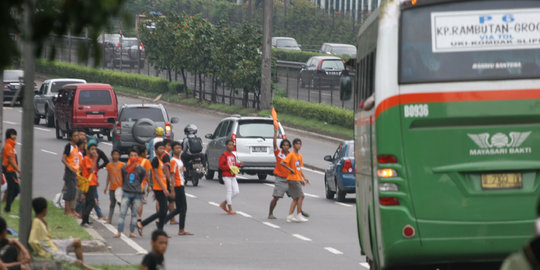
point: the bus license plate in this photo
(259, 149)
(502, 180)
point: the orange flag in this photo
(274, 117)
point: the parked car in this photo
(137, 123)
(126, 52)
(322, 71)
(11, 84)
(43, 100)
(339, 177)
(286, 43)
(339, 49)
(253, 145)
(91, 107)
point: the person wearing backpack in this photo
(192, 145)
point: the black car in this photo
(11, 84)
(321, 71)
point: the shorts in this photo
(70, 184)
(280, 187)
(63, 245)
(295, 189)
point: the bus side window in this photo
(366, 72)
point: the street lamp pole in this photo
(266, 68)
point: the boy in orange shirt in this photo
(280, 173)
(296, 179)
(10, 167)
(114, 180)
(89, 170)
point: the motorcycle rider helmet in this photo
(159, 131)
(190, 129)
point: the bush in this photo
(136, 81)
(322, 112)
(299, 56)
(176, 88)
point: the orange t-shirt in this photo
(176, 171)
(294, 161)
(115, 174)
(86, 165)
(159, 165)
(9, 151)
(280, 170)
(73, 156)
(145, 163)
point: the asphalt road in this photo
(245, 241)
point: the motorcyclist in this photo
(150, 144)
(192, 146)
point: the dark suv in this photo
(321, 71)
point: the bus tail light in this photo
(386, 159)
(388, 201)
(233, 138)
(386, 173)
(347, 167)
(408, 231)
(388, 187)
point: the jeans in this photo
(181, 207)
(162, 213)
(129, 201)
(113, 200)
(13, 189)
(89, 204)
(96, 207)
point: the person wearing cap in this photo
(158, 138)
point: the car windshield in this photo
(286, 43)
(136, 113)
(332, 65)
(56, 86)
(345, 50)
(95, 97)
(12, 75)
(255, 129)
(129, 42)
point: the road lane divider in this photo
(213, 203)
(272, 225)
(311, 195)
(365, 264)
(10, 123)
(344, 204)
(49, 152)
(313, 171)
(333, 250)
(243, 214)
(270, 185)
(190, 195)
(140, 250)
(42, 129)
(301, 237)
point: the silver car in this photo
(253, 140)
(137, 123)
(43, 100)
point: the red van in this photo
(91, 107)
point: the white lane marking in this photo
(49, 152)
(311, 195)
(271, 225)
(10, 123)
(191, 195)
(107, 143)
(128, 241)
(241, 177)
(42, 129)
(243, 214)
(301, 237)
(343, 204)
(313, 171)
(213, 203)
(364, 264)
(270, 185)
(333, 250)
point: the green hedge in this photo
(299, 56)
(136, 81)
(323, 112)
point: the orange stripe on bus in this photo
(455, 97)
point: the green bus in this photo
(447, 131)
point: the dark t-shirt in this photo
(153, 261)
(155, 162)
(131, 182)
(8, 253)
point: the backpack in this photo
(195, 145)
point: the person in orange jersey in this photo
(10, 167)
(114, 181)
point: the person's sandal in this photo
(139, 227)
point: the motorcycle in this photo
(195, 171)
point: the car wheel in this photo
(209, 173)
(220, 178)
(262, 176)
(58, 134)
(329, 193)
(50, 118)
(340, 193)
(36, 119)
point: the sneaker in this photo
(301, 218)
(305, 214)
(271, 217)
(291, 218)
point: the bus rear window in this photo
(95, 97)
(466, 41)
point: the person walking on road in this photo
(132, 176)
(114, 181)
(296, 179)
(150, 145)
(280, 180)
(10, 167)
(177, 171)
(229, 166)
(71, 160)
(161, 176)
(168, 150)
(89, 171)
(147, 165)
(155, 260)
